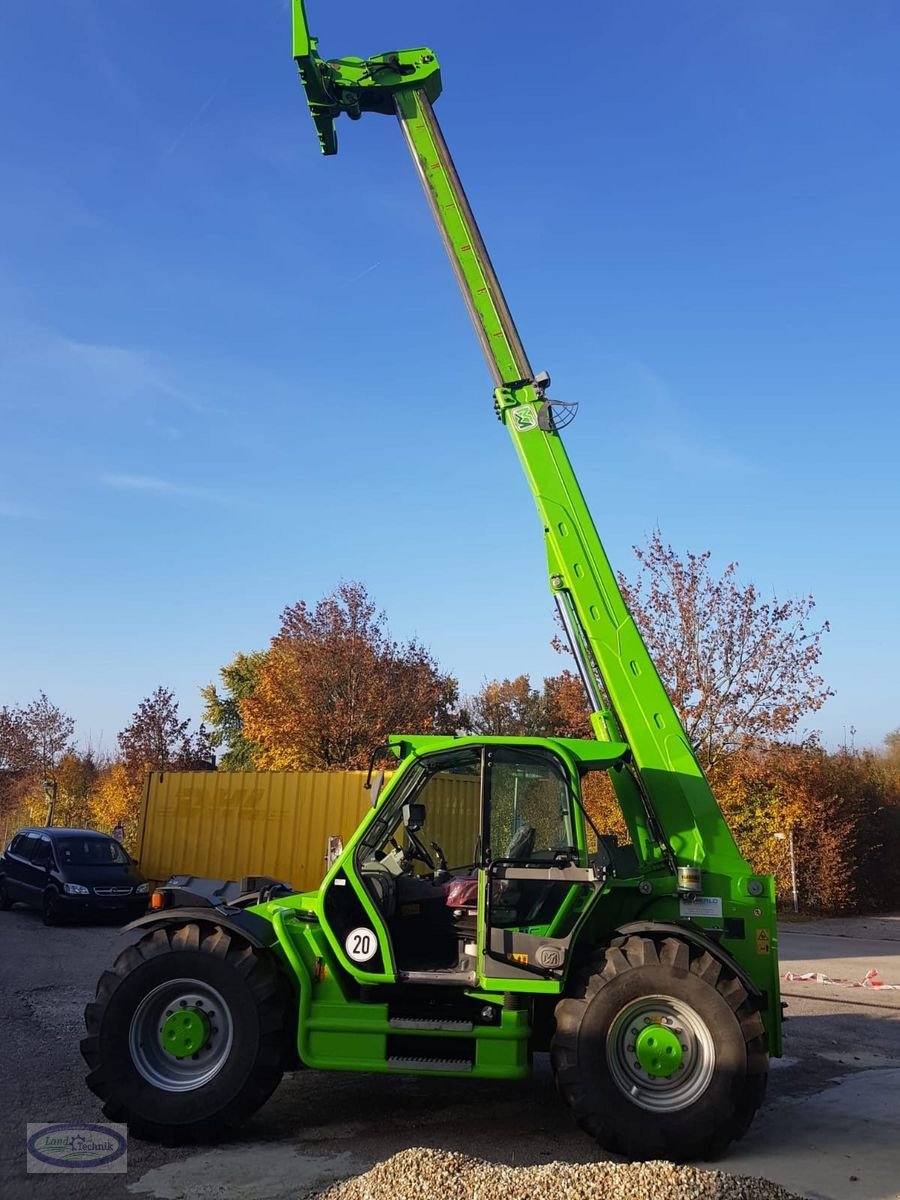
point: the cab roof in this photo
(589, 755)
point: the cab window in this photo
(447, 794)
(530, 806)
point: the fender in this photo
(252, 928)
(697, 937)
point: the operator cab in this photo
(460, 813)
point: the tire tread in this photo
(682, 958)
(271, 1000)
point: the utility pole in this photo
(793, 869)
(50, 793)
(789, 838)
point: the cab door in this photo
(385, 903)
(537, 888)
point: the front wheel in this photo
(660, 1051)
(5, 901)
(188, 1034)
(51, 908)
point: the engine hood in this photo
(92, 875)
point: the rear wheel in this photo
(188, 1035)
(660, 1051)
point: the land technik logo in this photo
(74, 1147)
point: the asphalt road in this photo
(828, 1130)
(815, 948)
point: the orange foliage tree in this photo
(841, 811)
(335, 683)
(737, 668)
(507, 707)
(116, 799)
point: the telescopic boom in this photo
(668, 806)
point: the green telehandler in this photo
(477, 916)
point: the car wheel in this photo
(52, 911)
(5, 901)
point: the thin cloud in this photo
(160, 487)
(363, 274)
(124, 371)
(39, 364)
(189, 125)
(15, 512)
(663, 425)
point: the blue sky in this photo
(233, 372)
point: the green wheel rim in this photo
(185, 1032)
(659, 1051)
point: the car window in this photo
(90, 851)
(40, 852)
(15, 846)
(26, 845)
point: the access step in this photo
(404, 1063)
(439, 1024)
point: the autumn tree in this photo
(736, 666)
(16, 774)
(222, 712)
(156, 739)
(891, 755)
(115, 799)
(34, 740)
(835, 804)
(566, 706)
(16, 749)
(35, 737)
(510, 707)
(334, 683)
(50, 732)
(76, 776)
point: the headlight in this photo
(142, 889)
(76, 889)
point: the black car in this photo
(71, 872)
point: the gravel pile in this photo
(440, 1175)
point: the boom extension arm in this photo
(357, 85)
(666, 799)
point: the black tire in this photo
(680, 1117)
(51, 908)
(255, 1003)
(5, 902)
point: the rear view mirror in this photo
(375, 787)
(413, 817)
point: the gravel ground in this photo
(437, 1175)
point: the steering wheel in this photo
(414, 851)
(417, 850)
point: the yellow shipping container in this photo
(227, 824)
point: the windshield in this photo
(83, 852)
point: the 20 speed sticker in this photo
(361, 944)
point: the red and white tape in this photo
(869, 980)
